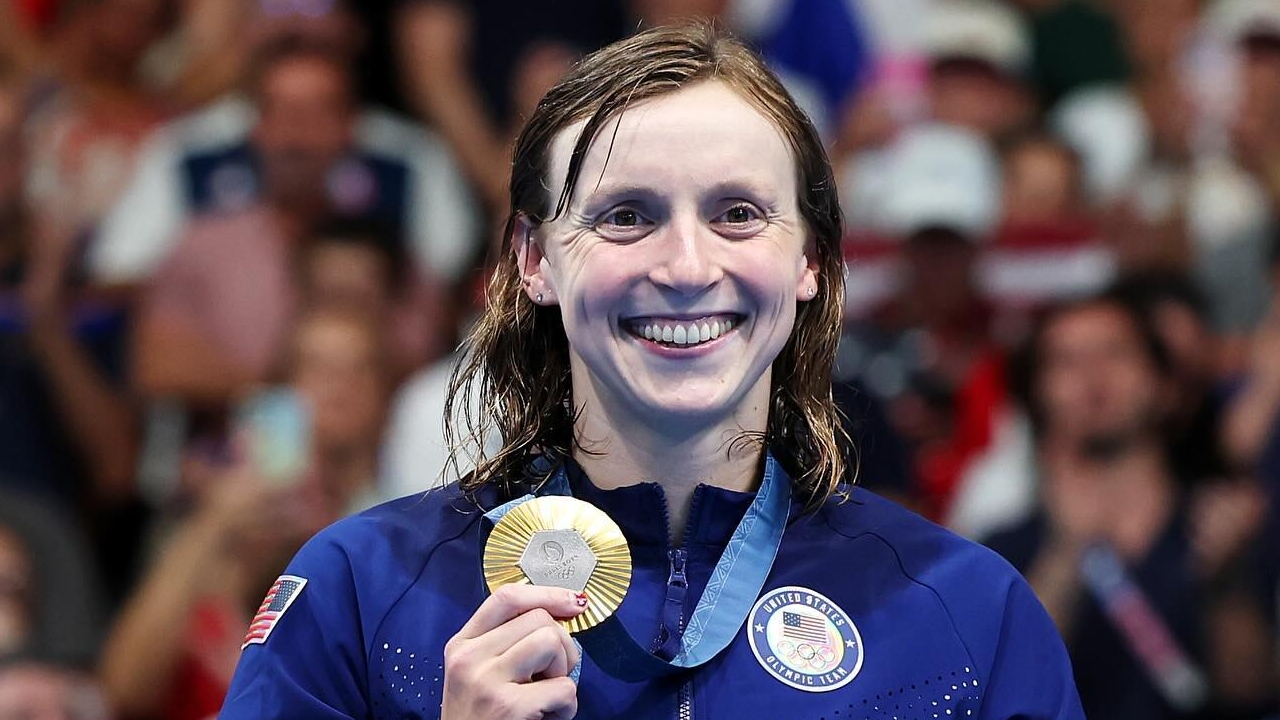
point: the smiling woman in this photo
(712, 206)
(656, 355)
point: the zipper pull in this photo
(677, 578)
(668, 640)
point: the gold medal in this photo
(561, 542)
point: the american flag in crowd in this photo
(804, 628)
(281, 595)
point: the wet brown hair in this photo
(516, 361)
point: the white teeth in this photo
(692, 334)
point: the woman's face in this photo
(679, 261)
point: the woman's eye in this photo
(739, 214)
(623, 217)
(623, 223)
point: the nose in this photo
(689, 264)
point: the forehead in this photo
(700, 135)
(1091, 326)
(303, 74)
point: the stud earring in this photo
(812, 291)
(538, 298)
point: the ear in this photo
(807, 284)
(532, 263)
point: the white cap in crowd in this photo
(982, 30)
(941, 176)
(1107, 127)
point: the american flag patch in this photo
(804, 628)
(283, 592)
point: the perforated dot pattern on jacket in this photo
(406, 685)
(952, 695)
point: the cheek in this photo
(594, 283)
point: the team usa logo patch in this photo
(283, 592)
(804, 640)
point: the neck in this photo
(616, 452)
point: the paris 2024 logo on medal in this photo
(804, 640)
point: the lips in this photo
(683, 332)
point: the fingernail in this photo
(581, 599)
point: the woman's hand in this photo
(512, 660)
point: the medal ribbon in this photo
(735, 583)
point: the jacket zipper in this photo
(677, 584)
(684, 710)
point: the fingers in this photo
(517, 668)
(511, 601)
(555, 698)
(502, 638)
(547, 652)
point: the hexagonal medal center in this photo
(559, 558)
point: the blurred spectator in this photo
(976, 61)
(928, 349)
(1111, 552)
(1235, 217)
(361, 267)
(220, 159)
(1198, 200)
(217, 314)
(220, 38)
(68, 427)
(85, 132)
(980, 64)
(1251, 429)
(31, 689)
(819, 49)
(339, 368)
(962, 62)
(1178, 312)
(1047, 247)
(1107, 128)
(473, 68)
(172, 652)
(1251, 423)
(50, 602)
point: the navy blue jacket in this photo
(908, 620)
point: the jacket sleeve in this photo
(1030, 674)
(312, 663)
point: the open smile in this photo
(675, 332)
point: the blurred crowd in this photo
(240, 239)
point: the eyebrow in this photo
(610, 194)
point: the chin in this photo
(694, 404)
